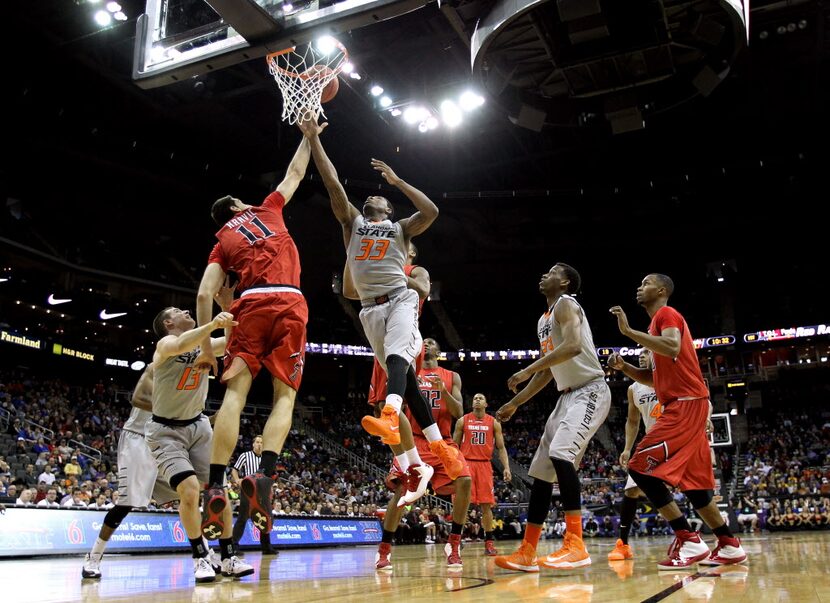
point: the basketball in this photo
(330, 91)
(322, 72)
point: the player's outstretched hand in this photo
(622, 319)
(223, 320)
(516, 379)
(505, 412)
(438, 383)
(388, 174)
(308, 125)
(508, 477)
(616, 362)
(224, 297)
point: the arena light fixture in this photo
(415, 114)
(431, 122)
(103, 18)
(354, 75)
(113, 7)
(347, 67)
(376, 90)
(385, 101)
(451, 114)
(395, 112)
(469, 100)
(120, 16)
(423, 128)
(326, 44)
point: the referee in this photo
(248, 464)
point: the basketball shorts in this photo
(271, 333)
(138, 479)
(630, 483)
(482, 474)
(574, 421)
(180, 449)
(392, 328)
(676, 448)
(440, 482)
(377, 387)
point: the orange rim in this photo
(271, 59)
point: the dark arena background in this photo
(687, 138)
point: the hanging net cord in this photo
(302, 76)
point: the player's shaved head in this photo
(665, 282)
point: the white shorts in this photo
(576, 418)
(748, 517)
(180, 450)
(630, 483)
(392, 328)
(138, 480)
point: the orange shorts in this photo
(271, 333)
(676, 449)
(482, 474)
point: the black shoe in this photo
(257, 489)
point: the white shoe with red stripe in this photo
(728, 551)
(686, 550)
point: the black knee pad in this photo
(699, 498)
(653, 487)
(418, 405)
(396, 368)
(116, 515)
(569, 488)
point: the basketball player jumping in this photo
(376, 251)
(676, 449)
(272, 314)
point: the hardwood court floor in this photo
(781, 567)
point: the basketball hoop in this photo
(302, 77)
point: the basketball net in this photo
(302, 77)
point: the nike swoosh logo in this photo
(54, 301)
(106, 315)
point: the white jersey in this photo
(647, 403)
(137, 420)
(179, 390)
(376, 254)
(582, 368)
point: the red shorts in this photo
(271, 333)
(377, 386)
(482, 474)
(440, 482)
(676, 449)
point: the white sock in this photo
(432, 433)
(394, 401)
(206, 545)
(98, 547)
(403, 461)
(414, 457)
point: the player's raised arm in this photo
(418, 281)
(210, 286)
(173, 345)
(667, 343)
(427, 210)
(343, 210)
(143, 393)
(640, 375)
(296, 171)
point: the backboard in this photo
(722, 433)
(178, 39)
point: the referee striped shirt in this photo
(247, 463)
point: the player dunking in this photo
(568, 357)
(272, 314)
(179, 435)
(376, 251)
(477, 434)
(676, 449)
(446, 404)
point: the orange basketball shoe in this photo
(450, 458)
(572, 555)
(386, 427)
(621, 552)
(523, 560)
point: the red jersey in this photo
(676, 378)
(255, 244)
(437, 403)
(479, 437)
